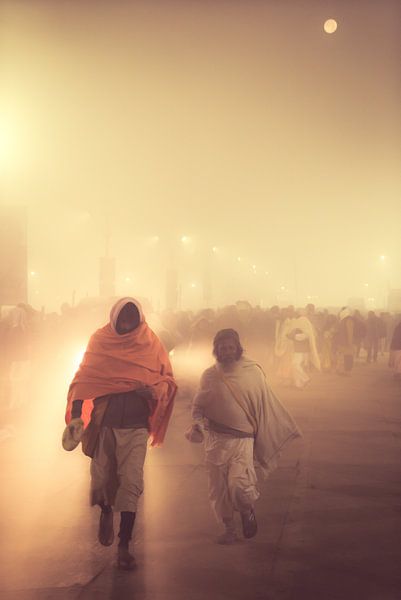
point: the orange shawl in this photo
(116, 363)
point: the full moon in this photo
(330, 26)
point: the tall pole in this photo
(295, 275)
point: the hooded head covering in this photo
(116, 363)
(305, 326)
(119, 305)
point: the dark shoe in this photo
(227, 538)
(249, 525)
(106, 531)
(125, 560)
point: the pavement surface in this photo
(329, 517)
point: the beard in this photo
(226, 359)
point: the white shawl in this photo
(306, 326)
(275, 426)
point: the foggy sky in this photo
(241, 124)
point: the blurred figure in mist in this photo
(382, 332)
(303, 335)
(328, 357)
(284, 346)
(359, 332)
(200, 333)
(243, 419)
(316, 319)
(345, 343)
(395, 351)
(18, 337)
(127, 372)
(373, 332)
(271, 327)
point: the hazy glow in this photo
(330, 26)
(203, 138)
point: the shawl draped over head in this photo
(116, 363)
(275, 427)
(307, 328)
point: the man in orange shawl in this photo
(121, 396)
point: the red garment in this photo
(119, 363)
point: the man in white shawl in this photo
(243, 421)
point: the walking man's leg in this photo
(221, 502)
(131, 445)
(104, 483)
(242, 484)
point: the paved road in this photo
(329, 517)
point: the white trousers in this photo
(300, 361)
(117, 468)
(232, 477)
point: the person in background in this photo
(303, 335)
(372, 336)
(122, 394)
(284, 346)
(359, 332)
(382, 326)
(328, 359)
(395, 352)
(345, 343)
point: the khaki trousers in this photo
(117, 468)
(232, 477)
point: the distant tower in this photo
(13, 255)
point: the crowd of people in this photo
(289, 343)
(121, 397)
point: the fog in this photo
(216, 151)
(240, 125)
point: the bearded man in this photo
(242, 419)
(120, 398)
